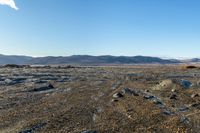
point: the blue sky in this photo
(165, 28)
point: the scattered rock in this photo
(173, 90)
(167, 112)
(149, 96)
(166, 84)
(50, 86)
(157, 102)
(195, 105)
(117, 95)
(163, 85)
(115, 100)
(43, 88)
(89, 131)
(185, 84)
(184, 120)
(34, 128)
(135, 93)
(173, 96)
(197, 83)
(20, 79)
(183, 109)
(130, 92)
(194, 95)
(126, 91)
(14, 80)
(8, 81)
(94, 117)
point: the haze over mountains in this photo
(89, 60)
(14, 59)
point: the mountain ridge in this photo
(14, 59)
(88, 60)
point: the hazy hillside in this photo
(13, 59)
(90, 60)
(97, 60)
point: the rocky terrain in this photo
(66, 99)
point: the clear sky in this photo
(165, 28)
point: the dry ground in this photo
(93, 100)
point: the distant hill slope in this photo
(100, 60)
(194, 60)
(88, 60)
(13, 59)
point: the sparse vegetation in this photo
(99, 99)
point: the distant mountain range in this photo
(13, 59)
(89, 60)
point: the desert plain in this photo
(100, 99)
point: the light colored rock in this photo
(163, 85)
(117, 95)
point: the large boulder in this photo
(164, 85)
(185, 84)
(172, 84)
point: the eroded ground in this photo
(100, 99)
